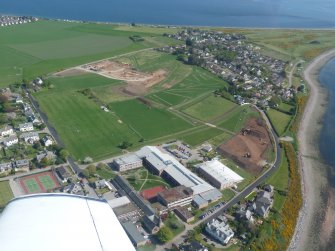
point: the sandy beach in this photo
(311, 226)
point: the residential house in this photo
(262, 204)
(219, 231)
(21, 165)
(6, 131)
(26, 127)
(5, 167)
(11, 140)
(47, 140)
(99, 184)
(30, 137)
(50, 156)
(62, 174)
(74, 188)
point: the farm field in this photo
(210, 108)
(42, 47)
(6, 193)
(279, 120)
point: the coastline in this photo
(313, 171)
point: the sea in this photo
(237, 13)
(327, 134)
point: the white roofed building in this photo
(56, 222)
(172, 170)
(218, 174)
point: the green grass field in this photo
(279, 120)
(42, 47)
(85, 129)
(210, 108)
(140, 179)
(200, 136)
(235, 120)
(6, 193)
(148, 122)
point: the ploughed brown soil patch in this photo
(247, 149)
(137, 83)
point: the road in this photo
(290, 77)
(239, 196)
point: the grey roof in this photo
(198, 200)
(24, 125)
(5, 128)
(211, 195)
(22, 162)
(127, 159)
(133, 233)
(29, 134)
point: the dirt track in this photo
(137, 82)
(248, 148)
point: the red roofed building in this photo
(151, 193)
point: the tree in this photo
(189, 42)
(45, 162)
(101, 166)
(64, 154)
(91, 170)
(88, 160)
(125, 144)
(133, 24)
(164, 234)
(86, 173)
(3, 99)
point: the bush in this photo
(164, 235)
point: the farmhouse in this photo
(30, 137)
(6, 131)
(11, 140)
(127, 162)
(26, 127)
(217, 174)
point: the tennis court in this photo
(38, 183)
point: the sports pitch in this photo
(38, 183)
